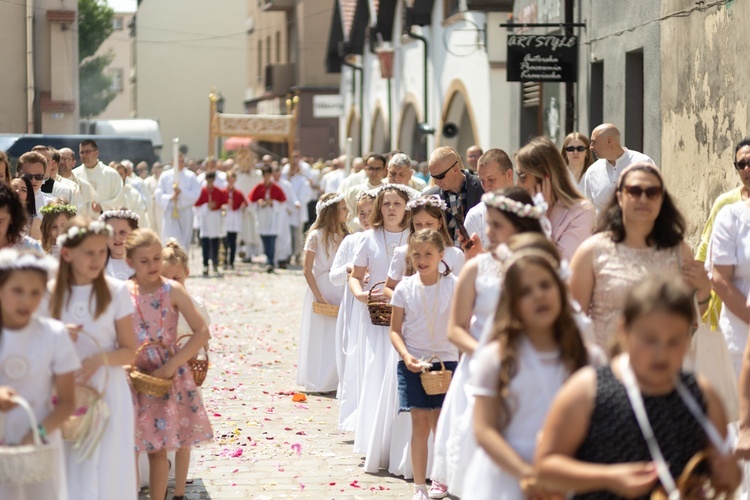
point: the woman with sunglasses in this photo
(541, 169)
(577, 155)
(640, 233)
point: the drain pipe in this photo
(30, 81)
(424, 40)
(358, 68)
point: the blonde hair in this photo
(63, 289)
(540, 158)
(174, 255)
(376, 219)
(333, 230)
(138, 239)
(425, 236)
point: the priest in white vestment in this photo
(104, 179)
(177, 204)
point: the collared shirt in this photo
(601, 178)
(456, 206)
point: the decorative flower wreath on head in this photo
(122, 213)
(411, 194)
(431, 200)
(370, 194)
(507, 258)
(321, 205)
(96, 227)
(12, 259)
(58, 209)
(535, 211)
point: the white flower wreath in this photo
(20, 260)
(95, 227)
(411, 194)
(432, 200)
(535, 211)
(123, 213)
(321, 205)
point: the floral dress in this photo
(178, 419)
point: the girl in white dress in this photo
(123, 222)
(509, 211)
(535, 346)
(426, 212)
(54, 217)
(316, 366)
(37, 360)
(86, 300)
(349, 358)
(390, 229)
(175, 266)
(419, 332)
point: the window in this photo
(278, 46)
(634, 100)
(260, 59)
(268, 49)
(116, 74)
(596, 95)
(117, 23)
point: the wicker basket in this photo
(27, 464)
(148, 384)
(380, 312)
(695, 482)
(436, 382)
(84, 397)
(331, 310)
(198, 367)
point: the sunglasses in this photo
(440, 177)
(36, 177)
(742, 164)
(652, 193)
(580, 149)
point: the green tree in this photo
(95, 85)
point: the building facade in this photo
(184, 48)
(286, 57)
(40, 82)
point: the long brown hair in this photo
(587, 157)
(63, 289)
(540, 158)
(509, 329)
(333, 230)
(376, 219)
(49, 217)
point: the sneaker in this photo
(437, 490)
(420, 494)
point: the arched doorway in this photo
(352, 131)
(410, 141)
(457, 112)
(379, 142)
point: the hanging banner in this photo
(542, 58)
(261, 127)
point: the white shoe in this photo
(437, 490)
(420, 494)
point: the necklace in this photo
(390, 249)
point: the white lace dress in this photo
(454, 439)
(316, 364)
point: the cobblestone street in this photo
(266, 445)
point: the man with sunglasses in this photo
(104, 179)
(460, 189)
(601, 177)
(32, 166)
(51, 186)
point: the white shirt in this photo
(601, 177)
(422, 310)
(83, 194)
(332, 180)
(107, 183)
(118, 268)
(41, 199)
(475, 223)
(220, 182)
(62, 190)
(454, 258)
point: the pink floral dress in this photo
(179, 418)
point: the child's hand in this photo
(725, 473)
(475, 249)
(166, 371)
(89, 366)
(321, 300)
(378, 297)
(6, 395)
(73, 331)
(631, 480)
(412, 364)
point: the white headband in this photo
(119, 214)
(411, 194)
(95, 227)
(321, 205)
(12, 259)
(431, 200)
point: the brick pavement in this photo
(267, 446)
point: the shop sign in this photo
(542, 58)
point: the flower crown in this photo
(321, 205)
(58, 209)
(508, 258)
(122, 213)
(431, 200)
(12, 259)
(535, 211)
(411, 194)
(96, 227)
(370, 194)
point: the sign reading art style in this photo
(542, 58)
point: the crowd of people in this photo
(526, 327)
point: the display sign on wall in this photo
(328, 106)
(542, 58)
